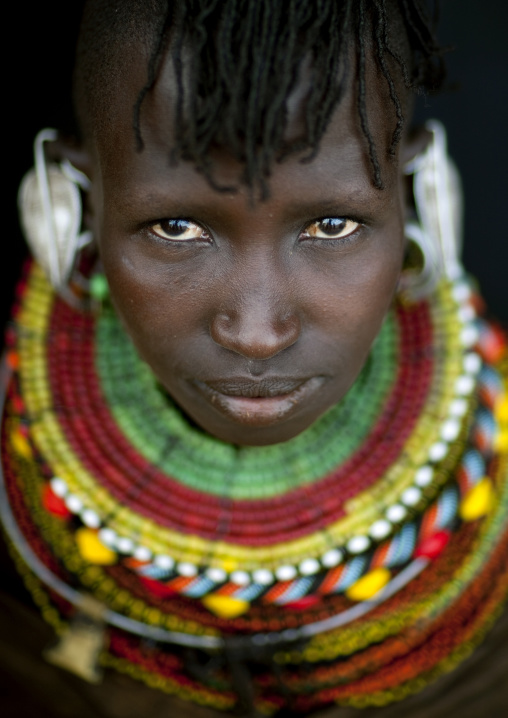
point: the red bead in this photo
(18, 404)
(54, 504)
(303, 603)
(159, 589)
(432, 546)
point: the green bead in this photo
(99, 288)
(147, 417)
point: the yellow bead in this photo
(367, 586)
(92, 549)
(225, 606)
(501, 411)
(501, 442)
(229, 565)
(478, 501)
(21, 445)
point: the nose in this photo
(257, 322)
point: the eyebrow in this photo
(360, 194)
(366, 209)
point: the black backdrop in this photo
(474, 110)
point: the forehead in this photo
(337, 180)
(108, 99)
(115, 137)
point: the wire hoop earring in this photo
(437, 228)
(50, 209)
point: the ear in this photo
(69, 148)
(414, 142)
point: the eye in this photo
(179, 230)
(332, 228)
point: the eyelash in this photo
(206, 235)
(346, 239)
(305, 234)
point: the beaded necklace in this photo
(361, 559)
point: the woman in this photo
(268, 472)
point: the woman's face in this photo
(256, 318)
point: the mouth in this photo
(259, 403)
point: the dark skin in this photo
(256, 317)
(252, 298)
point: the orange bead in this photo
(493, 345)
(157, 588)
(12, 360)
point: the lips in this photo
(259, 403)
(255, 389)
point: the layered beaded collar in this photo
(190, 541)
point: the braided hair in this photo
(236, 62)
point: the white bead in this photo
(454, 271)
(218, 575)
(466, 313)
(241, 578)
(450, 430)
(73, 503)
(142, 553)
(263, 576)
(107, 537)
(461, 291)
(424, 476)
(90, 519)
(285, 573)
(184, 568)
(58, 486)
(469, 335)
(472, 363)
(464, 385)
(124, 544)
(438, 451)
(396, 513)
(458, 408)
(164, 562)
(332, 558)
(380, 529)
(309, 566)
(358, 544)
(411, 496)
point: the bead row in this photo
(352, 546)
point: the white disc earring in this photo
(437, 228)
(50, 209)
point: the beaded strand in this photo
(384, 569)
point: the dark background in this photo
(474, 110)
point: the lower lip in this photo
(261, 411)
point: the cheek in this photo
(157, 303)
(353, 309)
(167, 307)
(356, 292)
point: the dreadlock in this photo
(236, 63)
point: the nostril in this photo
(254, 337)
(223, 322)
